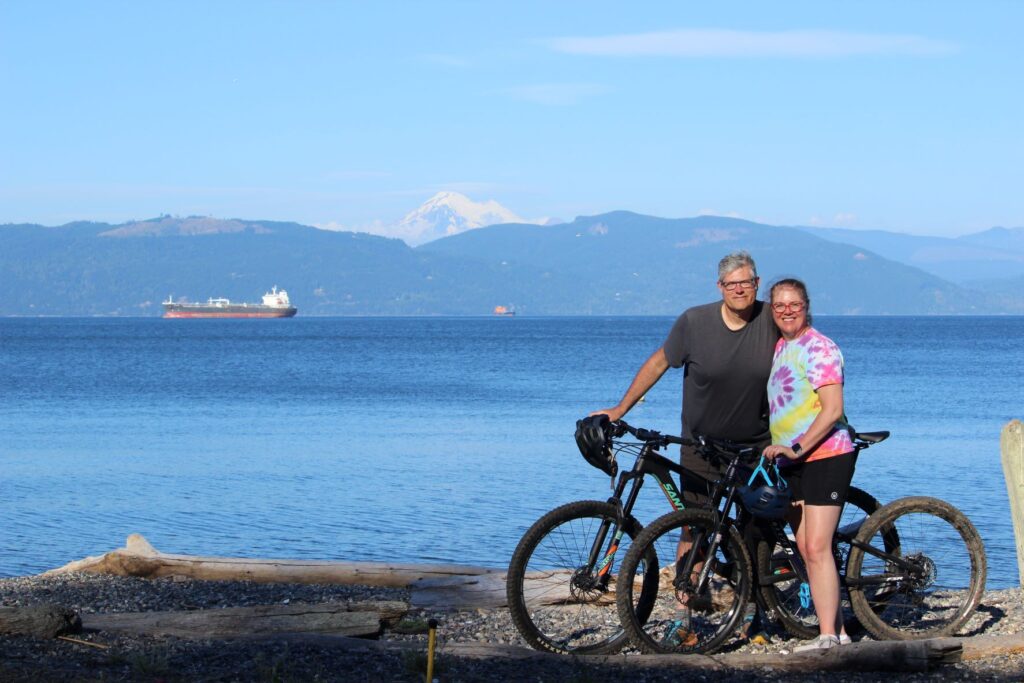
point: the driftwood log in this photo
(919, 655)
(433, 586)
(483, 591)
(41, 621)
(139, 558)
(893, 655)
(359, 619)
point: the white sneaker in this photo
(845, 639)
(819, 643)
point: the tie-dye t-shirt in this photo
(799, 368)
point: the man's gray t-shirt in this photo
(726, 372)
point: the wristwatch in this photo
(797, 449)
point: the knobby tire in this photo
(727, 594)
(547, 605)
(936, 601)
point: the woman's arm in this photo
(831, 398)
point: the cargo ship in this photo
(504, 310)
(275, 305)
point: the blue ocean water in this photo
(421, 439)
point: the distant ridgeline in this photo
(618, 263)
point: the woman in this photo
(810, 434)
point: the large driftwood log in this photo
(139, 558)
(460, 592)
(41, 621)
(364, 619)
(919, 655)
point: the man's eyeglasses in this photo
(742, 284)
(795, 306)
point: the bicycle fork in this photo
(601, 559)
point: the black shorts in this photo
(699, 475)
(822, 482)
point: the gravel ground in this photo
(140, 658)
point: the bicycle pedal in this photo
(700, 603)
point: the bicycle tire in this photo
(728, 592)
(939, 540)
(550, 604)
(789, 602)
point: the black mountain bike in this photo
(562, 575)
(914, 568)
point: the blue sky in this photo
(900, 116)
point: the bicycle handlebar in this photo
(709, 446)
(621, 427)
(703, 443)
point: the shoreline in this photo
(399, 651)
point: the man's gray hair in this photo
(737, 259)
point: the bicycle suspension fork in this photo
(601, 559)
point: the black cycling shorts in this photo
(822, 482)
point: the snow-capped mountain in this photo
(449, 213)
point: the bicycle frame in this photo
(722, 500)
(648, 461)
(845, 534)
(724, 490)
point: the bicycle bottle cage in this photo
(769, 499)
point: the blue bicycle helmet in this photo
(770, 498)
(594, 439)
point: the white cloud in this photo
(845, 219)
(730, 43)
(557, 94)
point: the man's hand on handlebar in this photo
(614, 414)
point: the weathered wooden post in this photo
(1011, 444)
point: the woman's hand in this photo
(775, 450)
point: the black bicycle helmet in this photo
(770, 498)
(594, 438)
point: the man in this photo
(726, 351)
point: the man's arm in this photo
(646, 377)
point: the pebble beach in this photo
(120, 657)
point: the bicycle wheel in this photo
(712, 615)
(789, 600)
(931, 584)
(559, 601)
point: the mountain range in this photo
(978, 258)
(619, 263)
